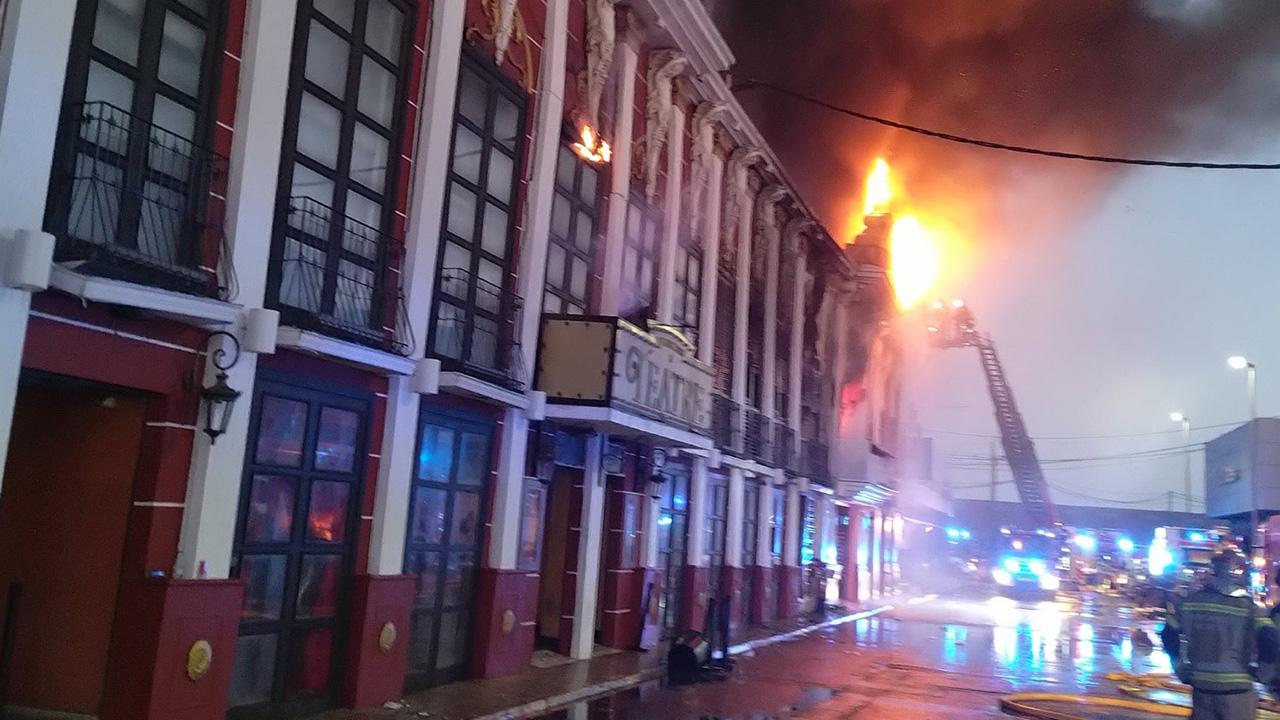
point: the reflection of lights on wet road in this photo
(955, 638)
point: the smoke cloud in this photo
(1163, 78)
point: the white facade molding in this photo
(620, 182)
(35, 40)
(796, 246)
(601, 39)
(591, 540)
(213, 485)
(734, 518)
(431, 165)
(791, 527)
(464, 384)
(347, 353)
(190, 309)
(740, 219)
(504, 25)
(392, 492)
(671, 219)
(702, 153)
(710, 264)
(625, 424)
(664, 66)
(693, 31)
(531, 272)
(696, 529)
(769, 234)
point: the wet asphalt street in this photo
(941, 658)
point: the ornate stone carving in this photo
(704, 147)
(601, 29)
(767, 210)
(735, 188)
(791, 233)
(664, 66)
(506, 24)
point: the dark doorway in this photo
(63, 512)
(446, 516)
(673, 523)
(750, 523)
(299, 519)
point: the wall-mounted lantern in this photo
(220, 398)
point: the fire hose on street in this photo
(1150, 696)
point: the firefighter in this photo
(1218, 625)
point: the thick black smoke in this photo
(1164, 78)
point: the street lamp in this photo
(1186, 455)
(1240, 362)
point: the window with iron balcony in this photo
(686, 301)
(473, 322)
(135, 193)
(335, 265)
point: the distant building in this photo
(987, 516)
(1234, 464)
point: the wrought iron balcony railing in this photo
(786, 450)
(134, 201)
(753, 433)
(726, 423)
(473, 328)
(340, 277)
(815, 461)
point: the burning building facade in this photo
(362, 346)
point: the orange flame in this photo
(879, 191)
(915, 260)
(592, 148)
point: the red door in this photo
(63, 508)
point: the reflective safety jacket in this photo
(1218, 632)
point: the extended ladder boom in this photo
(1019, 451)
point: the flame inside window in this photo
(591, 147)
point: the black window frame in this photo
(134, 164)
(496, 84)
(341, 228)
(649, 219)
(578, 206)
(687, 280)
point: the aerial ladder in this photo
(952, 325)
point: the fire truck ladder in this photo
(1019, 451)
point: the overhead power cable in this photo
(987, 436)
(992, 145)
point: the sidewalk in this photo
(539, 690)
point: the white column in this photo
(710, 260)
(653, 511)
(742, 289)
(213, 487)
(791, 526)
(696, 545)
(764, 523)
(620, 180)
(796, 351)
(822, 523)
(430, 171)
(769, 363)
(33, 64)
(671, 218)
(735, 518)
(504, 536)
(591, 523)
(549, 106)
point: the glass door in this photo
(446, 516)
(672, 528)
(717, 519)
(750, 518)
(296, 535)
